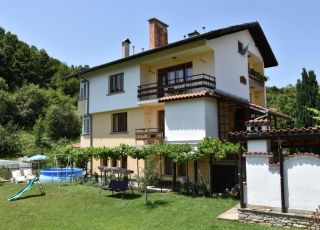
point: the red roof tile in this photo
(275, 133)
(203, 93)
(258, 122)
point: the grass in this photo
(78, 207)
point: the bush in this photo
(9, 141)
(31, 102)
(62, 122)
(7, 108)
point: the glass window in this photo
(116, 83)
(167, 166)
(179, 75)
(83, 90)
(119, 122)
(175, 74)
(86, 124)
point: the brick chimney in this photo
(126, 48)
(158, 33)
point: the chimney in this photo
(158, 33)
(126, 48)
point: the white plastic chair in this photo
(17, 177)
(28, 174)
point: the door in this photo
(224, 177)
(161, 121)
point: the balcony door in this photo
(161, 121)
(170, 77)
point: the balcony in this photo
(150, 135)
(194, 83)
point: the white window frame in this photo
(86, 126)
(83, 90)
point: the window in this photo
(83, 90)
(167, 166)
(119, 122)
(86, 124)
(116, 83)
(175, 74)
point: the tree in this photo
(9, 141)
(8, 108)
(31, 102)
(307, 97)
(61, 121)
(283, 100)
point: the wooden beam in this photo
(283, 201)
(174, 176)
(240, 174)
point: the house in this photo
(206, 84)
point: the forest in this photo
(38, 103)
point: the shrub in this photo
(9, 141)
(62, 122)
(31, 102)
(7, 108)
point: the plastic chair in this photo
(17, 177)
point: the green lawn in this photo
(78, 207)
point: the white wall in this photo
(302, 183)
(211, 118)
(99, 101)
(229, 65)
(301, 179)
(190, 120)
(263, 146)
(263, 182)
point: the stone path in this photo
(231, 214)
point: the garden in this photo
(79, 207)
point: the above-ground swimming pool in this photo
(60, 174)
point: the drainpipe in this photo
(87, 113)
(283, 201)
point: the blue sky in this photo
(90, 32)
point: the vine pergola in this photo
(212, 148)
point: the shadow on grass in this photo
(156, 204)
(29, 196)
(126, 196)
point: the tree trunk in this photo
(138, 172)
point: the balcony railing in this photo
(255, 80)
(194, 83)
(150, 135)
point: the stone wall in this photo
(277, 219)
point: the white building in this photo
(204, 85)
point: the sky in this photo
(83, 32)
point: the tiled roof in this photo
(203, 93)
(258, 122)
(258, 154)
(271, 111)
(296, 155)
(274, 133)
(309, 155)
(253, 28)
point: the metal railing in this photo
(194, 83)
